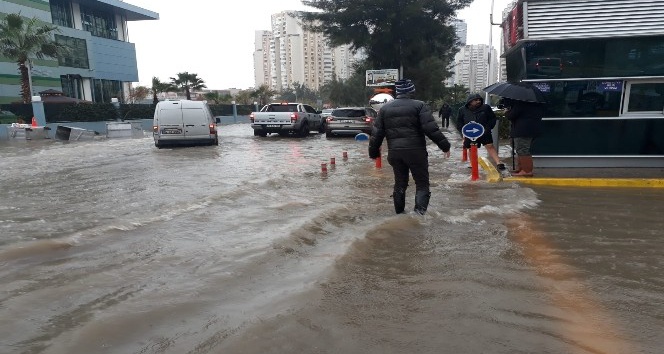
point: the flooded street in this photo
(115, 246)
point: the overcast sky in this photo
(216, 40)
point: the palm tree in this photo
(157, 88)
(188, 82)
(263, 94)
(23, 39)
(244, 97)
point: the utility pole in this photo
(494, 131)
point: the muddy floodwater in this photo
(114, 246)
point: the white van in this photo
(184, 122)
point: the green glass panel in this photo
(630, 136)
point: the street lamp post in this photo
(494, 131)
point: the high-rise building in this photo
(292, 55)
(100, 64)
(471, 67)
(262, 62)
(461, 30)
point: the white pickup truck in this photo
(286, 118)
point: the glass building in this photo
(600, 63)
(100, 63)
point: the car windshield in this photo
(353, 113)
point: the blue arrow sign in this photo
(472, 130)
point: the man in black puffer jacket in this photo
(405, 122)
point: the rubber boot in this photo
(422, 201)
(526, 165)
(399, 197)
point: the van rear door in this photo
(196, 122)
(170, 122)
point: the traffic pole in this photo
(464, 157)
(475, 174)
(379, 161)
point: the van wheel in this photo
(260, 133)
(328, 134)
(157, 145)
(321, 128)
(304, 130)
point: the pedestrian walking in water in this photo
(405, 123)
(475, 110)
(526, 119)
(444, 114)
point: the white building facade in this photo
(471, 67)
(287, 54)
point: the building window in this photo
(644, 97)
(72, 86)
(583, 98)
(104, 90)
(99, 23)
(61, 13)
(588, 58)
(76, 55)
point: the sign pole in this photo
(475, 174)
(472, 131)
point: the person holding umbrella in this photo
(524, 108)
(526, 119)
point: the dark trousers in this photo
(446, 122)
(413, 161)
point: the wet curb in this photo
(492, 175)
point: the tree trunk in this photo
(26, 95)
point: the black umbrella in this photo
(519, 91)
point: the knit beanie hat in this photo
(404, 86)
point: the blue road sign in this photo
(472, 130)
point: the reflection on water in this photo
(118, 247)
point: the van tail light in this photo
(329, 119)
(213, 128)
(293, 117)
(252, 117)
(155, 129)
(368, 119)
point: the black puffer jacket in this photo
(405, 122)
(483, 115)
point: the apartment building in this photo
(287, 54)
(471, 67)
(101, 63)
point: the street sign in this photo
(472, 130)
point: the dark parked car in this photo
(350, 120)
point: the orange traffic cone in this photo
(34, 122)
